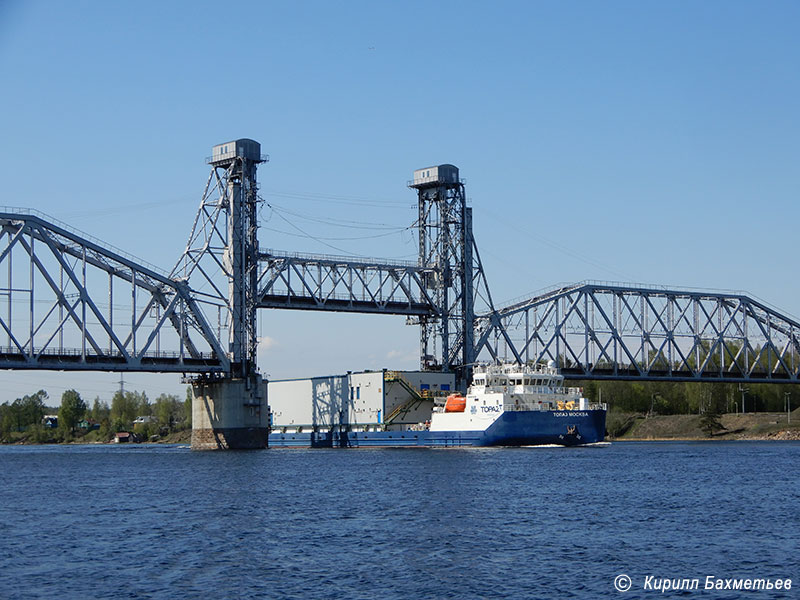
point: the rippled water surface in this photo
(165, 522)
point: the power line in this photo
(116, 209)
(336, 199)
(311, 237)
(335, 239)
(555, 245)
(336, 222)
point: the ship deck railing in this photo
(537, 369)
(525, 407)
(533, 389)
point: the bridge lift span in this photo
(200, 318)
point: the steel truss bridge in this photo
(597, 330)
(70, 302)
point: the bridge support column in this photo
(230, 414)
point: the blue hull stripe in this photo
(532, 428)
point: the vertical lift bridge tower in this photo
(448, 254)
(229, 411)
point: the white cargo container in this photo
(365, 401)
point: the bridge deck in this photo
(75, 361)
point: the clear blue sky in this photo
(629, 141)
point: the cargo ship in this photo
(506, 405)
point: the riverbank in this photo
(621, 427)
(40, 437)
(755, 426)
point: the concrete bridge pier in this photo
(230, 414)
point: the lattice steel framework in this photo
(610, 331)
(455, 280)
(439, 292)
(50, 320)
(221, 259)
(313, 282)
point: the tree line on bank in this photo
(24, 419)
(681, 398)
(686, 398)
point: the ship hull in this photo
(523, 428)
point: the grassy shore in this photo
(752, 426)
(93, 437)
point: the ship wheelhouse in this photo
(525, 388)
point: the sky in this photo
(640, 142)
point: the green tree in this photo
(72, 410)
(100, 410)
(123, 408)
(168, 410)
(710, 422)
(30, 410)
(187, 406)
(119, 407)
(6, 419)
(22, 413)
(126, 406)
(143, 406)
(9, 418)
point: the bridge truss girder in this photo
(50, 319)
(309, 282)
(600, 331)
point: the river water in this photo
(153, 521)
